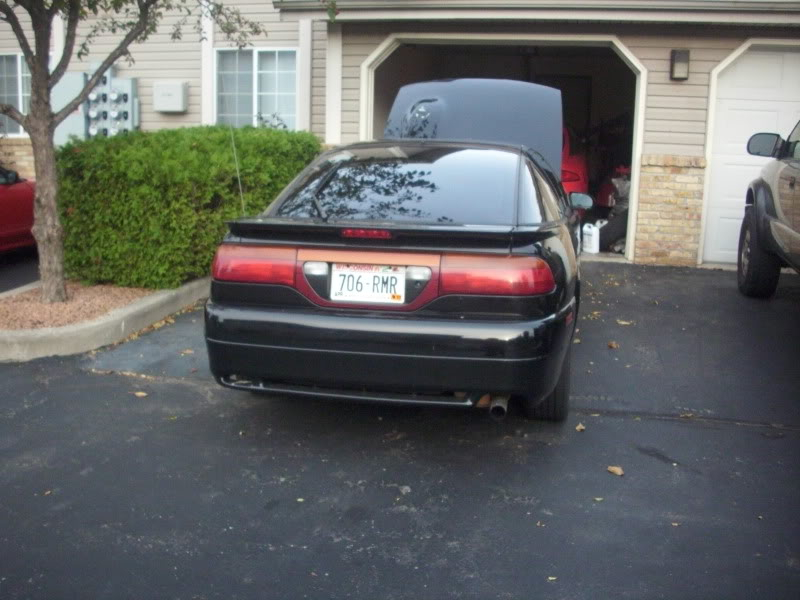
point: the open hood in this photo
(498, 111)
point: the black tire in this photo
(615, 229)
(556, 406)
(758, 270)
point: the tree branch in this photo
(121, 48)
(11, 19)
(73, 17)
(12, 111)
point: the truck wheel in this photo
(554, 407)
(757, 269)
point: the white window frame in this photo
(20, 62)
(256, 50)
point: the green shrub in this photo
(149, 208)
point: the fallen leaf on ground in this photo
(580, 427)
(301, 499)
(598, 499)
(621, 322)
(613, 345)
(686, 415)
(540, 524)
(576, 341)
(140, 394)
(48, 492)
(594, 415)
(552, 578)
(187, 351)
(615, 470)
(676, 524)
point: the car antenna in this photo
(238, 173)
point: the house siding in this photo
(15, 150)
(159, 58)
(675, 120)
(676, 112)
(319, 39)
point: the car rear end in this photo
(397, 273)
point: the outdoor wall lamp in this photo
(679, 65)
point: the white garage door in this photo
(760, 91)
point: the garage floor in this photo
(156, 483)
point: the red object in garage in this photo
(574, 167)
(605, 195)
(16, 210)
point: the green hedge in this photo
(149, 208)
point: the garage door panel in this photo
(739, 120)
(791, 72)
(759, 92)
(732, 179)
(755, 76)
(725, 227)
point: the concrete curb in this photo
(19, 290)
(26, 344)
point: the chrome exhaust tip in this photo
(498, 407)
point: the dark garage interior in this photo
(598, 94)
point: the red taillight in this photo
(570, 176)
(495, 275)
(372, 234)
(254, 264)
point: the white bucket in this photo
(591, 238)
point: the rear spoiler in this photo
(499, 239)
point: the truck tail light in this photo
(570, 176)
(254, 264)
(495, 275)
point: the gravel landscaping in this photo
(27, 311)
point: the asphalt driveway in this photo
(129, 474)
(17, 268)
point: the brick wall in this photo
(16, 154)
(670, 207)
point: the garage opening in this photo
(598, 94)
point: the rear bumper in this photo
(384, 358)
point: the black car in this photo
(770, 234)
(409, 271)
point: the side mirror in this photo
(764, 144)
(580, 201)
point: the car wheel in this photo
(757, 270)
(554, 407)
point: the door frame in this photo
(393, 41)
(713, 90)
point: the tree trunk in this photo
(47, 228)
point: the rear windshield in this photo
(416, 184)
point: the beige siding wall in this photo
(8, 41)
(282, 32)
(676, 112)
(318, 52)
(159, 58)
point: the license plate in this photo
(368, 283)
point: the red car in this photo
(16, 210)
(574, 166)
